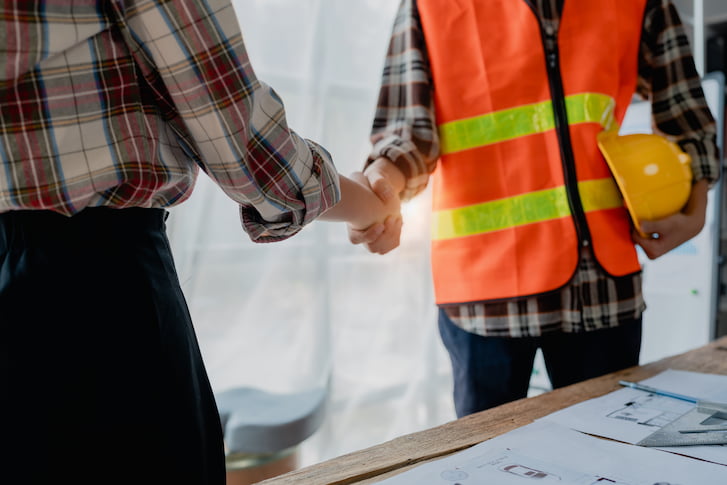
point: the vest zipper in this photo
(550, 43)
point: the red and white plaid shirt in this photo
(103, 108)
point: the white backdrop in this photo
(287, 316)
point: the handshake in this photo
(371, 207)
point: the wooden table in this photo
(400, 454)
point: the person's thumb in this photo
(381, 187)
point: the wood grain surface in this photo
(387, 459)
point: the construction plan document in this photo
(630, 415)
(547, 453)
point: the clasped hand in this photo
(385, 181)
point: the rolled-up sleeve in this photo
(405, 129)
(228, 121)
(669, 78)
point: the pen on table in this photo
(653, 390)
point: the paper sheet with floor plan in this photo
(630, 415)
(547, 453)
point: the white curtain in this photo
(315, 310)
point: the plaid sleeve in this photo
(668, 77)
(235, 125)
(404, 129)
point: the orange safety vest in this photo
(521, 184)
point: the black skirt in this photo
(101, 377)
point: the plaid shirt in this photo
(405, 132)
(121, 107)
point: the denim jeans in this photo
(489, 371)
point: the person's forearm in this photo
(358, 206)
(666, 234)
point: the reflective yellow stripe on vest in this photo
(525, 120)
(522, 209)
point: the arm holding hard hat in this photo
(656, 178)
(681, 115)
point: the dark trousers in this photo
(101, 377)
(489, 371)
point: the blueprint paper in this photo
(547, 453)
(630, 415)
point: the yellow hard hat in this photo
(653, 174)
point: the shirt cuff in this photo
(705, 160)
(318, 193)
